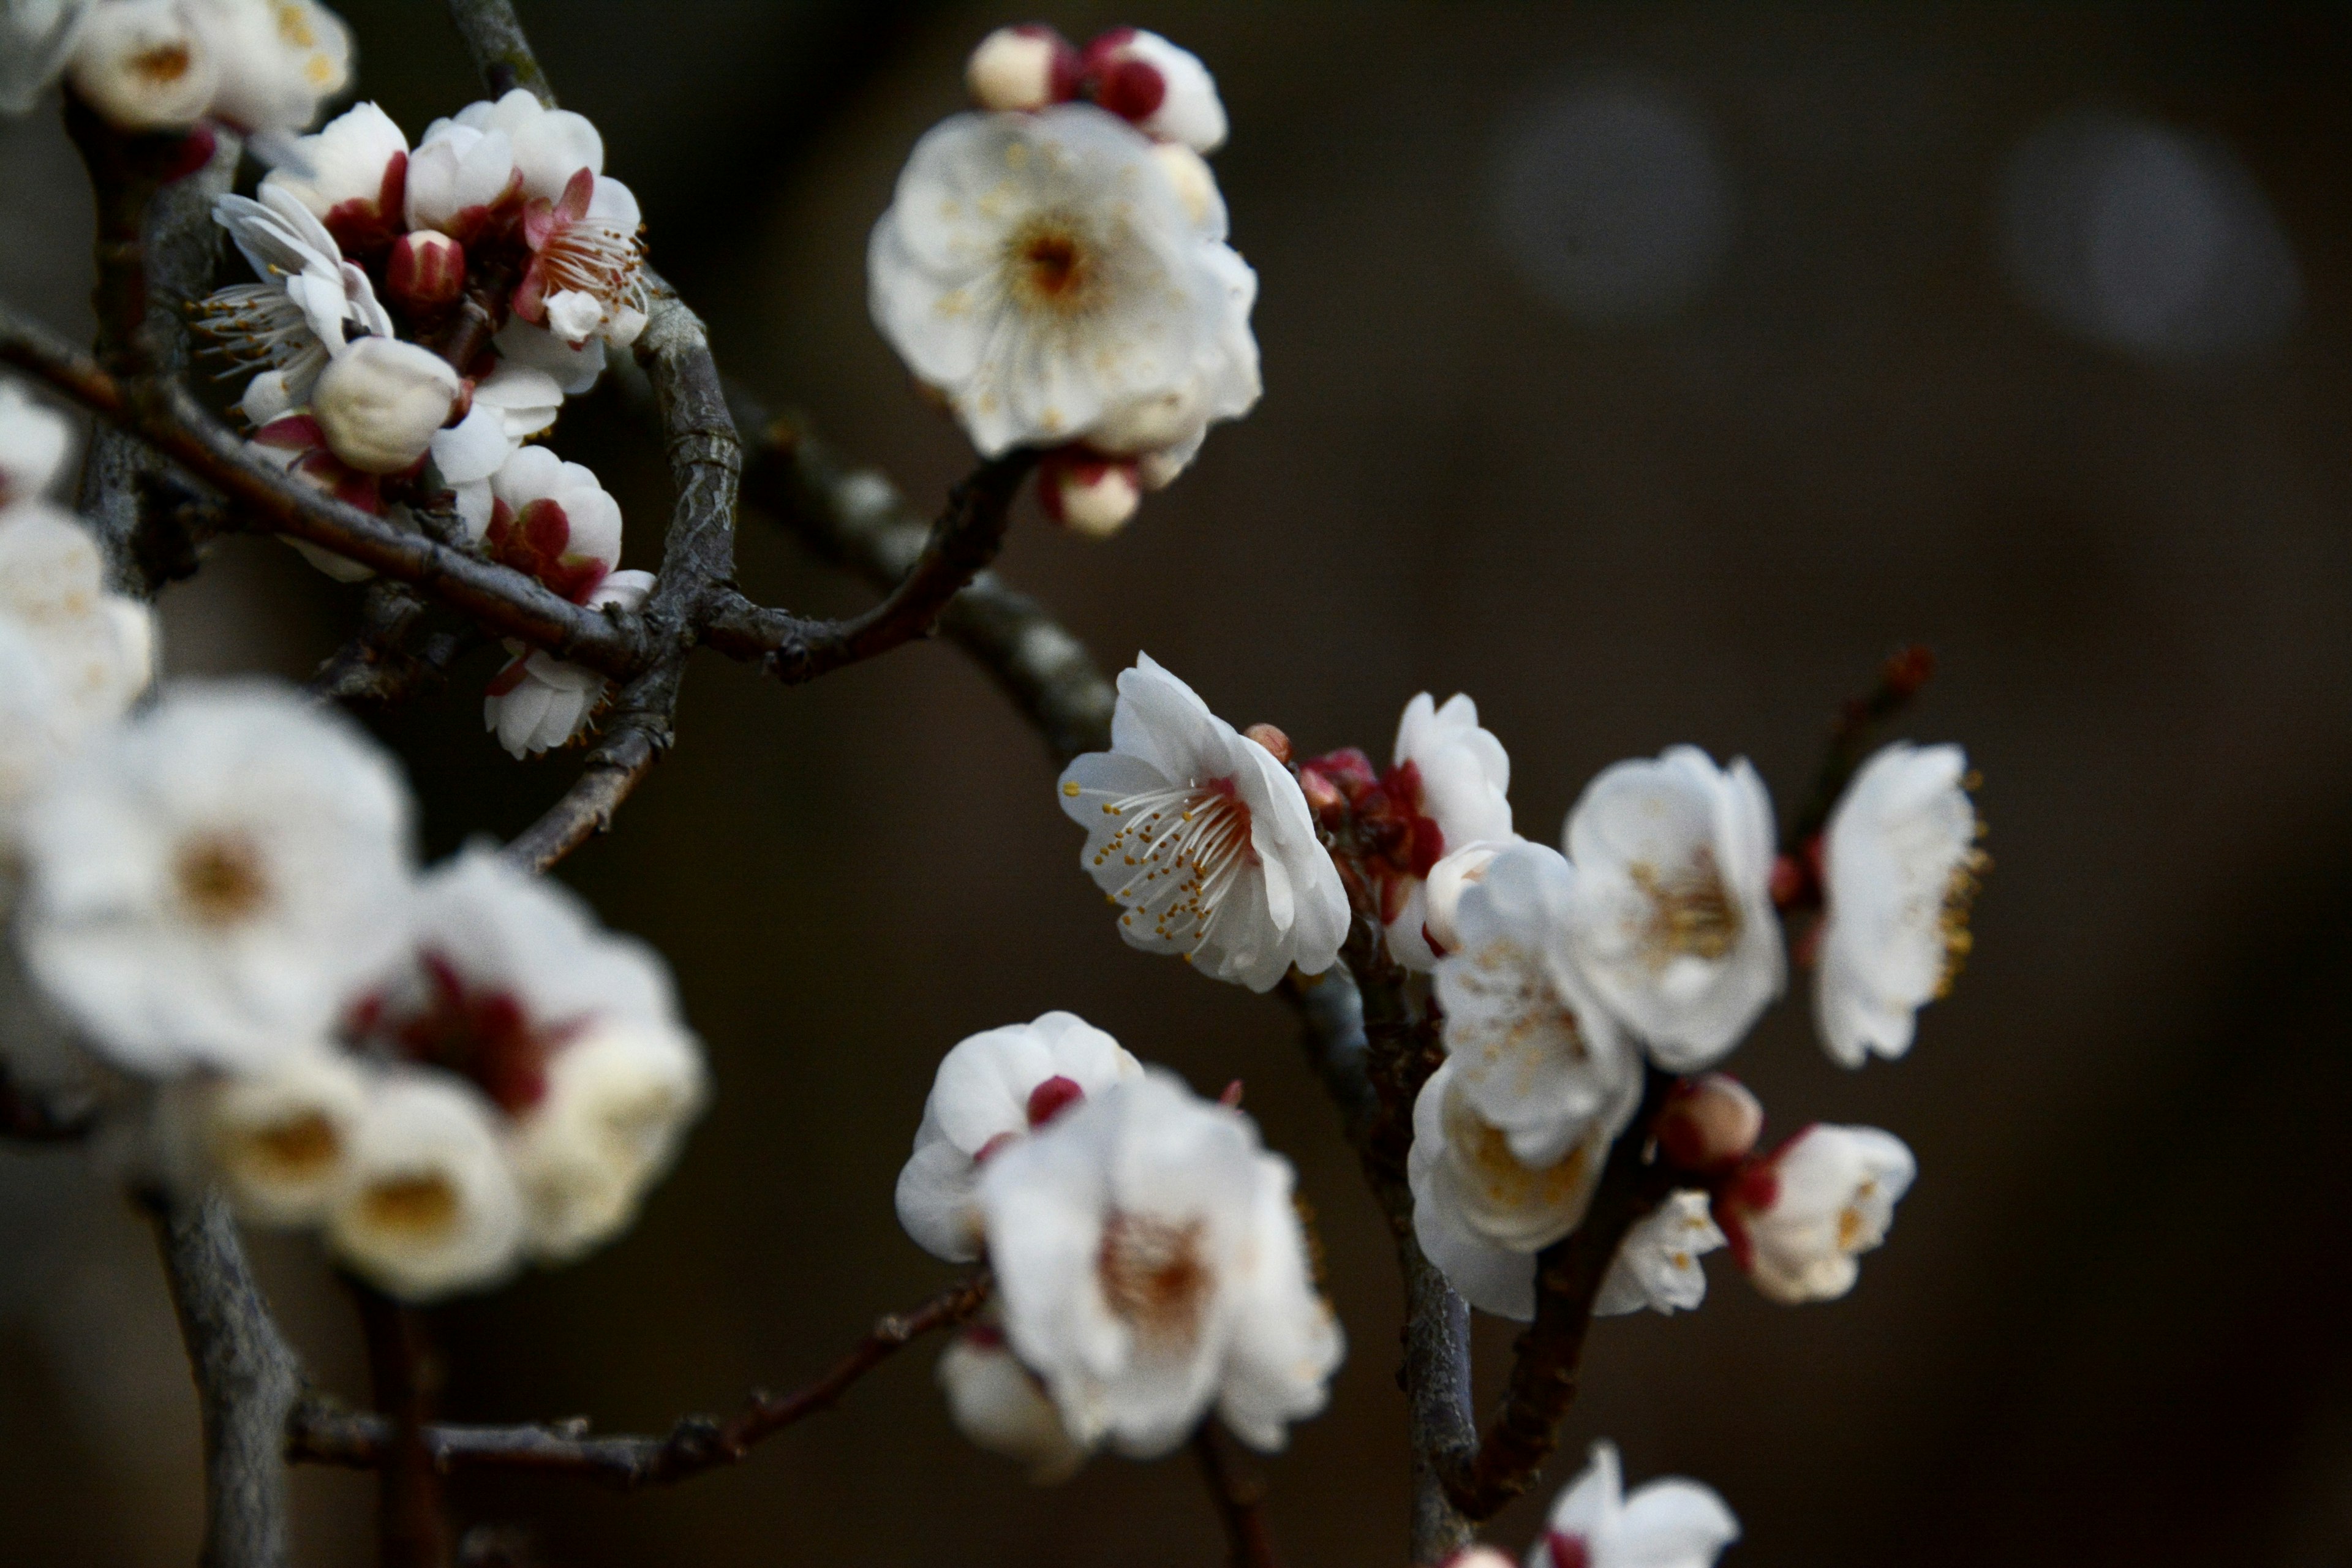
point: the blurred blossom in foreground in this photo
(1610, 199)
(2147, 240)
(1669, 1523)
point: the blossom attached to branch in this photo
(1204, 839)
(261, 67)
(1670, 1524)
(999, 1405)
(1657, 1267)
(1800, 1218)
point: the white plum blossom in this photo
(570, 1033)
(1899, 868)
(1668, 1523)
(144, 65)
(1448, 786)
(427, 1206)
(309, 304)
(1042, 272)
(278, 1141)
(98, 647)
(1453, 876)
(462, 182)
(209, 878)
(992, 1090)
(586, 276)
(1675, 921)
(279, 60)
(1152, 1266)
(34, 441)
(1204, 838)
(553, 520)
(1000, 1405)
(381, 401)
(1163, 90)
(1658, 1265)
(1538, 1055)
(546, 146)
(350, 175)
(538, 702)
(1797, 1219)
(510, 405)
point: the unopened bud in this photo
(1709, 1125)
(1094, 496)
(379, 402)
(1027, 67)
(1166, 91)
(1323, 797)
(425, 273)
(142, 65)
(1272, 739)
(1479, 1557)
(1447, 882)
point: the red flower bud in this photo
(426, 274)
(1709, 1125)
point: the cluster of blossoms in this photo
(261, 67)
(1150, 1264)
(1650, 946)
(447, 1072)
(368, 377)
(1054, 269)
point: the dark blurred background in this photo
(1647, 371)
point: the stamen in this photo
(1691, 915)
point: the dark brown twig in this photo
(1240, 1497)
(320, 1434)
(1851, 737)
(412, 1526)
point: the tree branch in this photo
(318, 1432)
(1240, 1497)
(412, 1527)
(500, 51)
(1851, 737)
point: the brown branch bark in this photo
(500, 50)
(1857, 726)
(1239, 1496)
(319, 1433)
(412, 1524)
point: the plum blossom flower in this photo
(992, 1090)
(428, 1204)
(144, 65)
(1674, 917)
(553, 520)
(549, 146)
(279, 60)
(1799, 1218)
(309, 304)
(570, 1035)
(381, 401)
(1454, 875)
(209, 878)
(538, 702)
(1000, 1405)
(1042, 273)
(35, 442)
(1151, 1264)
(1657, 1264)
(97, 646)
(1899, 872)
(352, 176)
(509, 405)
(1447, 789)
(586, 276)
(462, 182)
(278, 1141)
(1668, 1523)
(1163, 90)
(30, 743)
(1204, 838)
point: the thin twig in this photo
(319, 1433)
(500, 50)
(1857, 725)
(1240, 1497)
(634, 740)
(412, 1526)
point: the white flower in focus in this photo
(1000, 1405)
(1669, 1523)
(351, 176)
(143, 65)
(1899, 868)
(427, 1206)
(1164, 91)
(209, 878)
(510, 405)
(278, 1141)
(574, 367)
(1480, 1213)
(618, 1101)
(549, 145)
(1152, 1266)
(98, 647)
(279, 60)
(1459, 872)
(553, 520)
(1675, 921)
(992, 1090)
(1799, 1218)
(309, 304)
(34, 441)
(380, 402)
(36, 38)
(1538, 1057)
(1658, 1265)
(538, 702)
(1447, 788)
(1042, 273)
(462, 182)
(1204, 838)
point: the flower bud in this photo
(426, 272)
(142, 67)
(1027, 67)
(1710, 1124)
(1479, 1557)
(1448, 880)
(1272, 739)
(1094, 496)
(1166, 91)
(379, 401)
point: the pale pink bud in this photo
(1272, 739)
(1710, 1124)
(1023, 68)
(426, 272)
(1094, 496)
